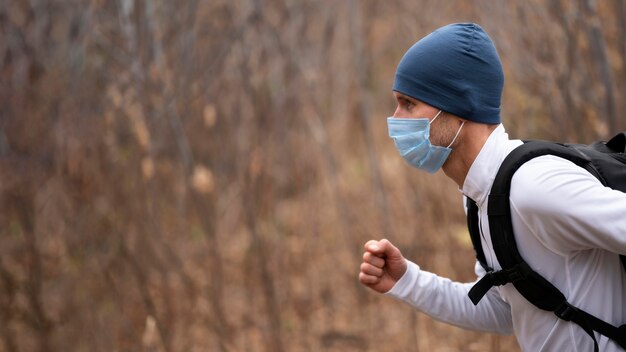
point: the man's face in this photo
(443, 130)
(408, 107)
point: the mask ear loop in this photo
(456, 135)
(434, 118)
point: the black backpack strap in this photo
(498, 278)
(473, 227)
(529, 283)
(590, 323)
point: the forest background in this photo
(202, 175)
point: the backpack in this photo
(607, 162)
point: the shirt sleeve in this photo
(447, 301)
(567, 208)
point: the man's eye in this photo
(405, 104)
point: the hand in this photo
(383, 265)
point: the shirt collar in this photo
(483, 171)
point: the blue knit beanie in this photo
(456, 69)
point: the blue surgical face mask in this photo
(411, 137)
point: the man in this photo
(568, 227)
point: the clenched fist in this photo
(383, 265)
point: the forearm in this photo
(447, 301)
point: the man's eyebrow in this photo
(405, 97)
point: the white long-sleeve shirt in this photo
(568, 227)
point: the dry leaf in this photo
(147, 168)
(202, 180)
(210, 115)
